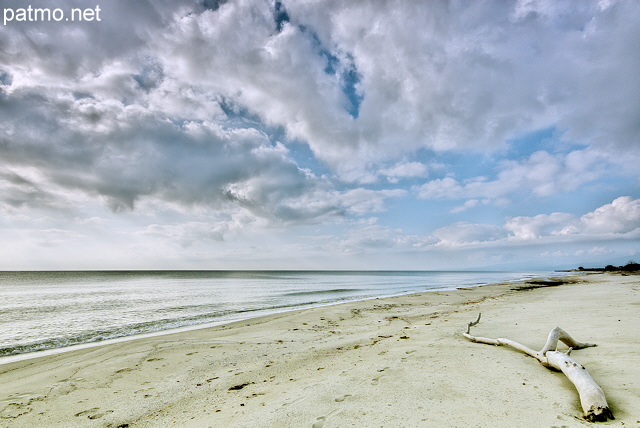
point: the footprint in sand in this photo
(319, 422)
(342, 398)
(13, 410)
(93, 413)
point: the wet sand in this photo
(392, 362)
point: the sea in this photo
(50, 312)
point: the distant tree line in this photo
(629, 267)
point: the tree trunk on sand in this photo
(594, 404)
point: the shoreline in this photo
(6, 359)
(376, 362)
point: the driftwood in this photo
(594, 404)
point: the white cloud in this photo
(239, 52)
(186, 234)
(362, 201)
(619, 217)
(463, 233)
(405, 170)
(367, 237)
(425, 75)
(420, 87)
(599, 251)
(467, 205)
(471, 76)
(542, 173)
(618, 220)
(528, 228)
(554, 254)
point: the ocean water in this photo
(53, 310)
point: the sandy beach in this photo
(392, 362)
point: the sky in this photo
(308, 134)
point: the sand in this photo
(392, 362)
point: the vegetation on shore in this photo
(629, 267)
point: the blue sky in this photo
(309, 134)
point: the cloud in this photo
(463, 233)
(362, 201)
(471, 203)
(421, 76)
(126, 153)
(619, 217)
(404, 170)
(17, 190)
(5, 78)
(529, 228)
(618, 220)
(273, 69)
(596, 251)
(368, 237)
(186, 234)
(460, 77)
(220, 120)
(53, 237)
(542, 173)
(53, 53)
(167, 118)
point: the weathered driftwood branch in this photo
(594, 404)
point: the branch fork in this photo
(592, 398)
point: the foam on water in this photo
(51, 310)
